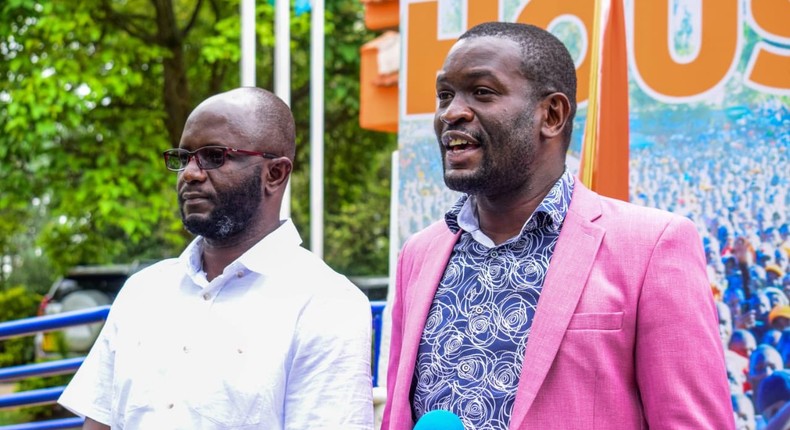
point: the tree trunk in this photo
(176, 88)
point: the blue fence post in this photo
(377, 309)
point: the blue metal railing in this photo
(41, 396)
(49, 368)
(62, 423)
(34, 325)
(29, 326)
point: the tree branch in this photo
(192, 19)
(218, 71)
(125, 23)
(216, 7)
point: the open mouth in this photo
(457, 145)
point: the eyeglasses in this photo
(207, 157)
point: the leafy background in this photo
(92, 91)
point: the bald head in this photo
(725, 323)
(258, 115)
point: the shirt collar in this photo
(550, 212)
(263, 256)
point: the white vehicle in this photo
(82, 288)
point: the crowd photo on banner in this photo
(733, 182)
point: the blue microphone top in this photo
(439, 420)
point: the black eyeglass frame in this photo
(179, 152)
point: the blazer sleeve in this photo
(679, 358)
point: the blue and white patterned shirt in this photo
(472, 348)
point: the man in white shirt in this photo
(246, 329)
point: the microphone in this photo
(439, 420)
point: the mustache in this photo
(188, 194)
(476, 136)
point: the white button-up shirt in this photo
(278, 341)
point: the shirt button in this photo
(239, 274)
(207, 296)
(170, 406)
(185, 349)
(494, 254)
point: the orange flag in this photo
(604, 163)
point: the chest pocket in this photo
(596, 321)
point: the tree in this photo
(91, 92)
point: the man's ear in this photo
(277, 174)
(557, 110)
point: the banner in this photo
(708, 124)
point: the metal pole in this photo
(248, 43)
(317, 128)
(395, 245)
(282, 73)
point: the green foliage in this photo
(17, 303)
(34, 272)
(91, 92)
(95, 135)
(15, 416)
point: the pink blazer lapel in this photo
(568, 272)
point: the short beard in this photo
(472, 183)
(234, 210)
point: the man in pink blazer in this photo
(536, 303)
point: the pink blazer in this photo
(625, 335)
